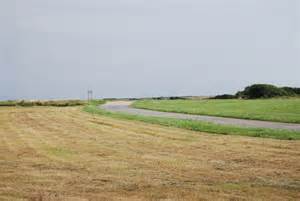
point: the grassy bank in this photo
(200, 126)
(279, 110)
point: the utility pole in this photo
(90, 95)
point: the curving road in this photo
(124, 107)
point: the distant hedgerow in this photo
(257, 91)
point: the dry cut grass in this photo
(65, 154)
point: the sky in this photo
(57, 49)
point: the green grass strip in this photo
(278, 110)
(199, 125)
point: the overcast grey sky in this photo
(134, 48)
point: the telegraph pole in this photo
(90, 95)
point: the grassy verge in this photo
(279, 110)
(200, 126)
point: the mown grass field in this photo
(51, 153)
(280, 110)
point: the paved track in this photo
(124, 106)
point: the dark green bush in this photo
(262, 91)
(24, 103)
(292, 91)
(8, 103)
(256, 91)
(64, 103)
(176, 98)
(225, 96)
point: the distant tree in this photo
(262, 91)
